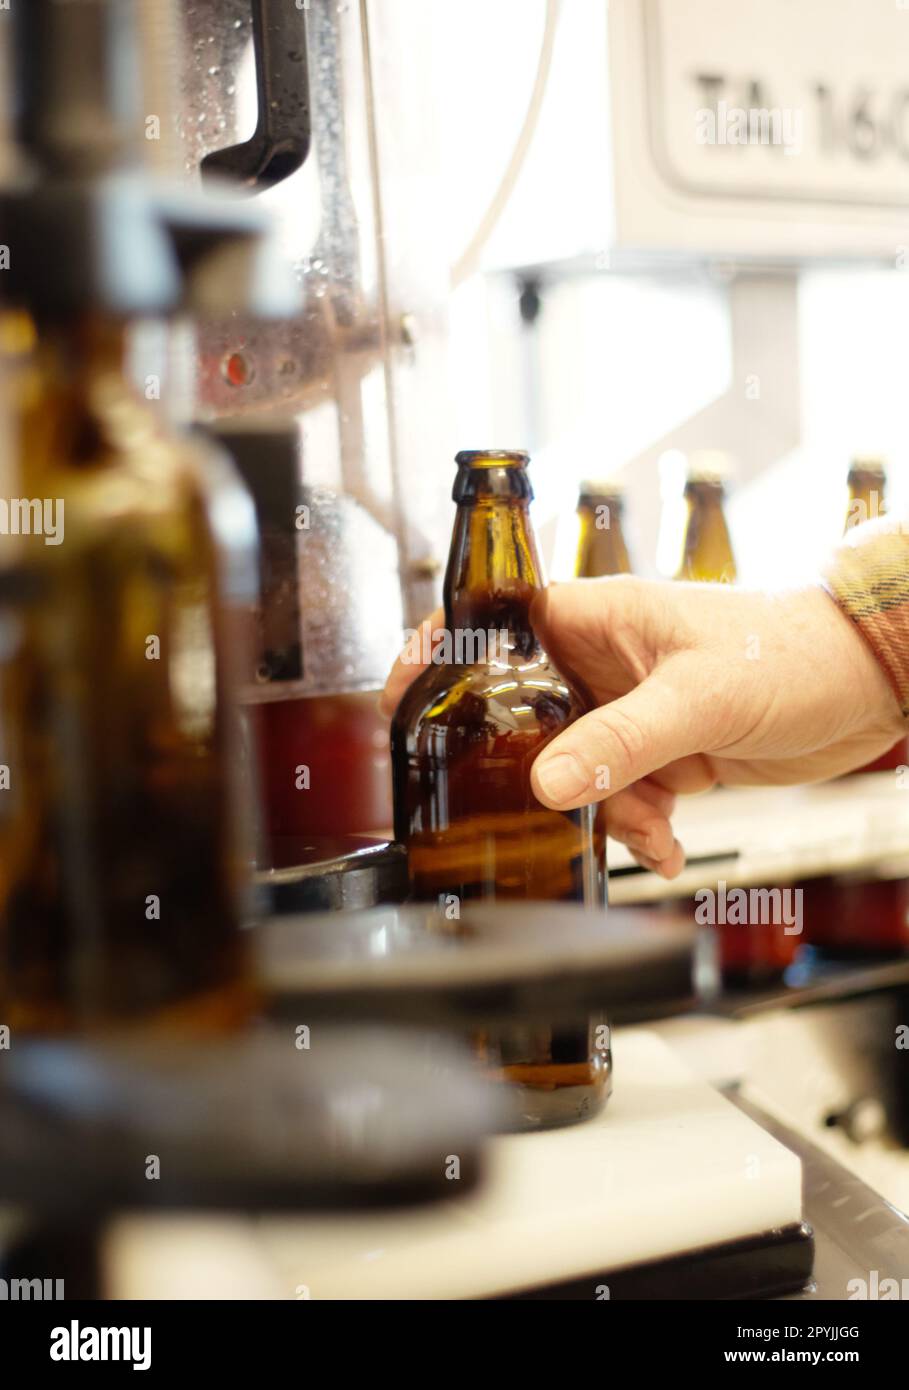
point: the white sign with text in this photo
(766, 128)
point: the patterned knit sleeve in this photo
(868, 576)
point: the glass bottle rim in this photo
(613, 488)
(702, 477)
(492, 458)
(867, 465)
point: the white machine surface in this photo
(670, 1166)
(767, 835)
(839, 1049)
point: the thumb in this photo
(617, 744)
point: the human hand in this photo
(702, 683)
(697, 684)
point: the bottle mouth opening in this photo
(705, 479)
(611, 488)
(492, 458)
(871, 468)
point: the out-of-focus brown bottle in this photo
(122, 857)
(464, 739)
(601, 541)
(866, 483)
(706, 549)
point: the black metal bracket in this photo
(281, 140)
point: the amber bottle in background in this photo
(866, 484)
(706, 549)
(601, 541)
(464, 739)
(852, 915)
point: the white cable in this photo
(467, 262)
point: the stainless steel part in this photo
(511, 962)
(330, 611)
(362, 364)
(278, 1119)
(344, 873)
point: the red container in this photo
(342, 742)
(755, 954)
(898, 756)
(855, 916)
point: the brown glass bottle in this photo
(121, 852)
(866, 483)
(464, 739)
(706, 550)
(601, 540)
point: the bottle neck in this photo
(866, 499)
(601, 543)
(494, 571)
(707, 549)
